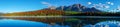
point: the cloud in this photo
(101, 6)
(89, 3)
(110, 3)
(46, 3)
(107, 7)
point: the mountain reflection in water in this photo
(25, 23)
(105, 24)
(57, 22)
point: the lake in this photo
(75, 21)
(25, 23)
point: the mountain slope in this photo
(77, 8)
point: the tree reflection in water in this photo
(73, 21)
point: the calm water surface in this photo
(25, 23)
(91, 21)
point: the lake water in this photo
(59, 22)
(105, 24)
(25, 23)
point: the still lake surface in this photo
(60, 21)
(25, 23)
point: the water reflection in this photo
(106, 24)
(59, 22)
(24, 23)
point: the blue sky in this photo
(9, 6)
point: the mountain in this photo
(57, 11)
(77, 8)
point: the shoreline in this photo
(68, 16)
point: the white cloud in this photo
(89, 3)
(108, 2)
(112, 3)
(100, 3)
(101, 6)
(107, 7)
(46, 3)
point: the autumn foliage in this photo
(38, 13)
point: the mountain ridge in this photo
(77, 8)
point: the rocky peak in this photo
(77, 8)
